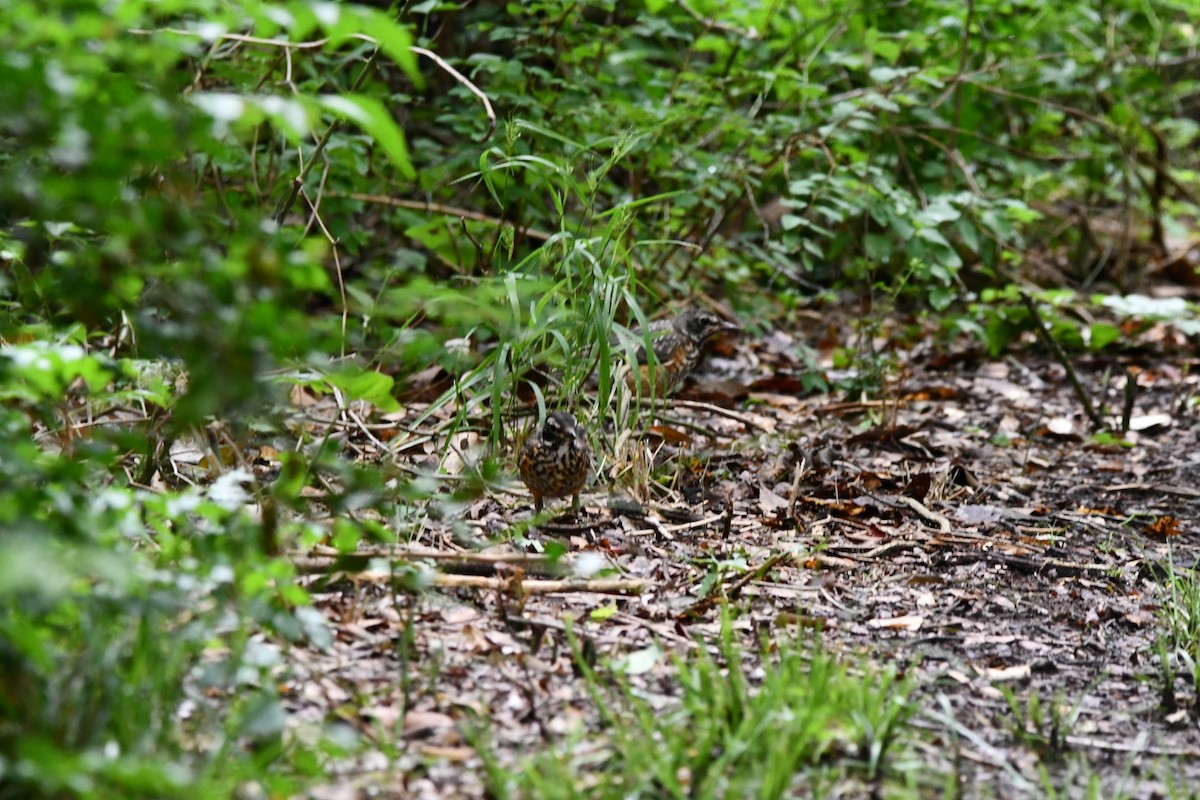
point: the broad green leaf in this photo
(938, 211)
(364, 384)
(370, 115)
(394, 40)
(1101, 334)
(887, 49)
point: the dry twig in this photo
(1061, 356)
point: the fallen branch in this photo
(932, 517)
(524, 587)
(1137, 746)
(1161, 488)
(326, 563)
(1038, 566)
(667, 531)
(720, 412)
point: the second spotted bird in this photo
(678, 344)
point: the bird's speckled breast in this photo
(554, 471)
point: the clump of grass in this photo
(727, 728)
(1042, 726)
(1179, 647)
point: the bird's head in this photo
(700, 325)
(561, 427)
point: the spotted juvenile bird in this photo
(554, 461)
(678, 344)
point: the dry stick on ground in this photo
(463, 562)
(514, 584)
(552, 526)
(668, 530)
(704, 604)
(1028, 565)
(523, 587)
(1060, 354)
(721, 412)
(1161, 488)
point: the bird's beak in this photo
(728, 327)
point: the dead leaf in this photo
(918, 487)
(670, 435)
(424, 386)
(909, 622)
(1163, 528)
(452, 754)
(1018, 672)
(933, 393)
(424, 723)
(641, 661)
(1146, 422)
(1061, 426)
(459, 614)
(386, 715)
(467, 449)
(769, 502)
(302, 397)
(780, 385)
(775, 400)
(1177, 717)
(970, 514)
(881, 434)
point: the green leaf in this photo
(603, 612)
(888, 74)
(641, 661)
(939, 210)
(394, 41)
(1101, 334)
(1019, 212)
(370, 115)
(997, 334)
(933, 236)
(1108, 439)
(364, 384)
(43, 370)
(940, 297)
(884, 48)
(878, 248)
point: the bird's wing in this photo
(660, 333)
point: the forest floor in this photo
(964, 527)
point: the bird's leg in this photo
(575, 503)
(537, 503)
